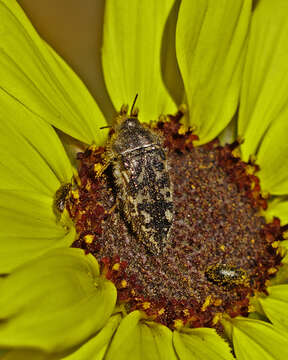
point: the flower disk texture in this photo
(54, 301)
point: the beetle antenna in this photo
(132, 108)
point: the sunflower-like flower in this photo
(227, 60)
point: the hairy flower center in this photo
(220, 251)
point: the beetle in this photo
(226, 275)
(141, 172)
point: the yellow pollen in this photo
(285, 235)
(253, 241)
(207, 302)
(222, 247)
(92, 147)
(146, 305)
(88, 186)
(133, 292)
(123, 283)
(77, 179)
(116, 267)
(275, 244)
(250, 170)
(75, 194)
(236, 152)
(218, 302)
(88, 238)
(186, 312)
(178, 323)
(216, 318)
(161, 311)
(251, 308)
(272, 270)
(98, 169)
(193, 186)
(182, 130)
(281, 251)
(265, 194)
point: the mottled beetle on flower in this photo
(142, 177)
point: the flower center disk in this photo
(220, 250)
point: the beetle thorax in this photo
(130, 136)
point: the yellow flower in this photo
(55, 303)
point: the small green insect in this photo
(226, 275)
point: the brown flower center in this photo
(220, 250)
